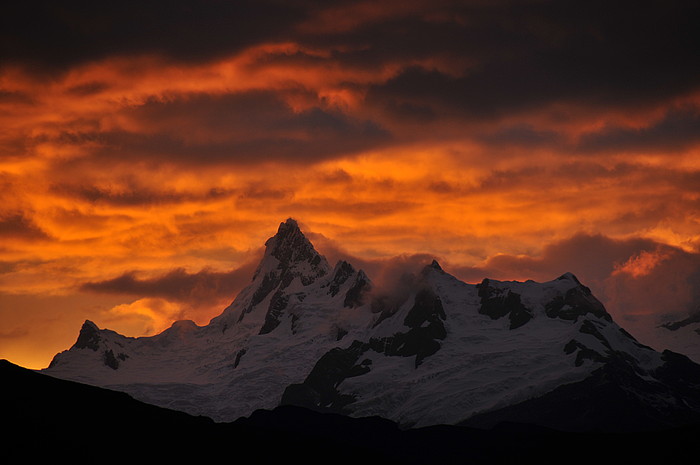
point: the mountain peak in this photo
(89, 336)
(289, 260)
(569, 276)
(290, 245)
(290, 226)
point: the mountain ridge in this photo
(438, 351)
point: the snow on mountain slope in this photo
(489, 355)
(323, 337)
(295, 309)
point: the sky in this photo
(148, 150)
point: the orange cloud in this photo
(642, 264)
(447, 129)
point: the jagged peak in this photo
(569, 276)
(290, 245)
(343, 265)
(433, 266)
(89, 336)
(289, 257)
(88, 325)
(289, 226)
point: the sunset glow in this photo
(140, 179)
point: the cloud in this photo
(675, 132)
(150, 315)
(133, 194)
(203, 287)
(237, 128)
(530, 55)
(20, 226)
(536, 136)
(53, 37)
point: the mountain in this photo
(430, 350)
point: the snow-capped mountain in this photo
(446, 352)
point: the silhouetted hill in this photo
(48, 418)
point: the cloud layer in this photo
(148, 150)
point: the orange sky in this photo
(140, 177)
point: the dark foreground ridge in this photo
(51, 418)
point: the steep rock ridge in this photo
(89, 338)
(577, 301)
(441, 351)
(482, 364)
(294, 309)
(498, 303)
(422, 329)
(290, 262)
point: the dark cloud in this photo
(247, 127)
(522, 135)
(53, 36)
(590, 257)
(15, 97)
(88, 89)
(19, 226)
(204, 286)
(528, 54)
(132, 194)
(12, 266)
(678, 130)
(519, 53)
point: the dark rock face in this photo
(355, 296)
(425, 328)
(343, 272)
(239, 356)
(425, 320)
(577, 302)
(318, 391)
(583, 353)
(269, 283)
(111, 360)
(498, 303)
(89, 337)
(591, 327)
(278, 304)
(290, 247)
